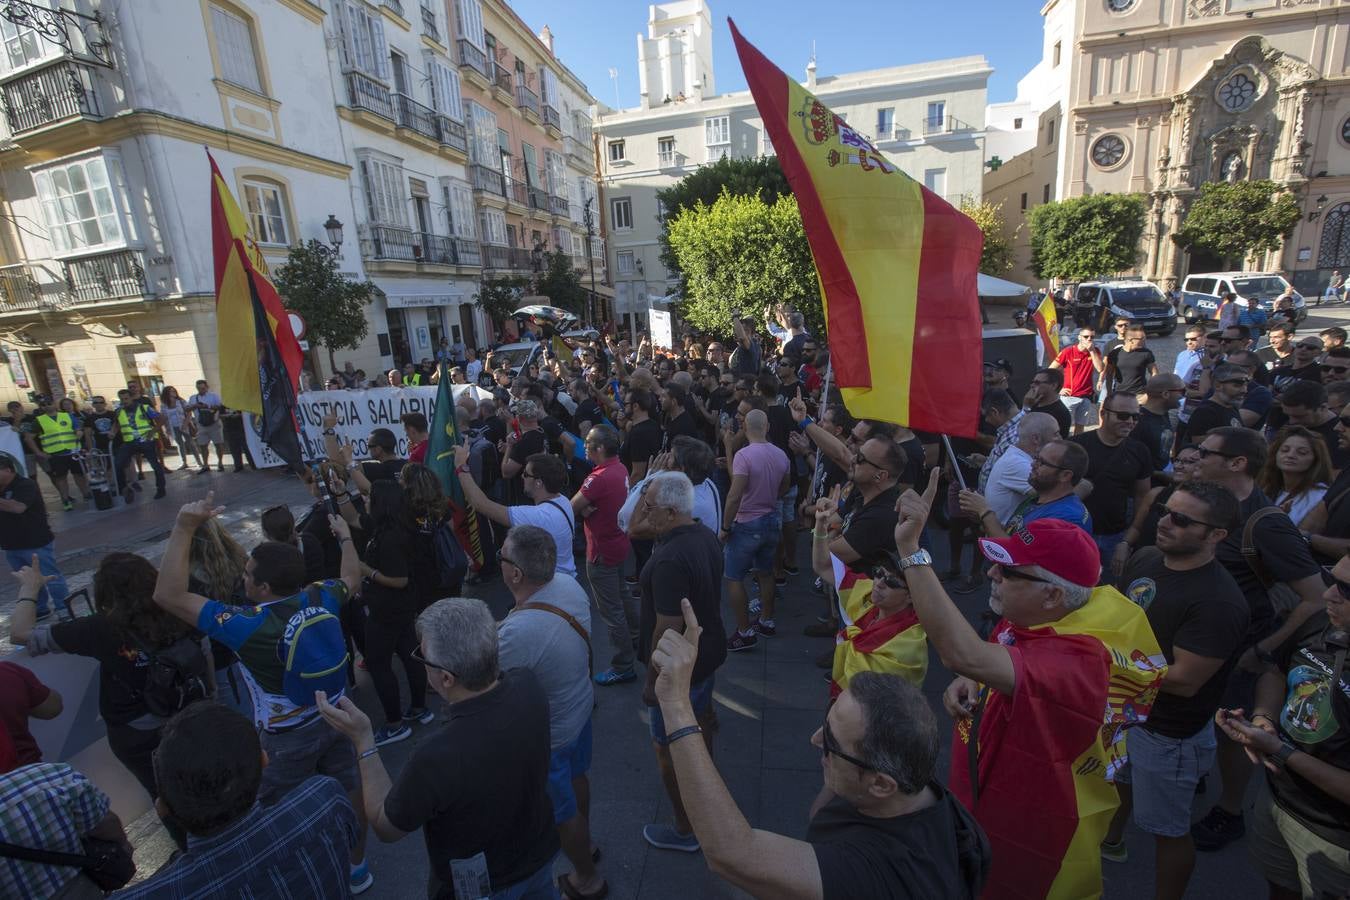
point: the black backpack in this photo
(179, 674)
(452, 563)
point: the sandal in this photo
(571, 893)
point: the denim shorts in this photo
(1163, 772)
(314, 748)
(751, 546)
(787, 506)
(570, 762)
(700, 697)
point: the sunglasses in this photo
(1342, 587)
(417, 655)
(1020, 576)
(1038, 461)
(829, 746)
(1340, 370)
(1206, 453)
(1181, 519)
(1192, 340)
(886, 577)
(1127, 416)
(860, 459)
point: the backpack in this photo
(313, 650)
(452, 563)
(178, 675)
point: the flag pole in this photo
(820, 411)
(956, 464)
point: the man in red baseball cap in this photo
(1041, 708)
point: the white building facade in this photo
(927, 118)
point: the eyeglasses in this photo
(1192, 340)
(509, 562)
(829, 746)
(529, 475)
(1127, 416)
(886, 577)
(1041, 461)
(1342, 587)
(1206, 453)
(860, 459)
(1181, 519)
(1020, 576)
(417, 655)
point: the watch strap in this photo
(921, 558)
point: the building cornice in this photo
(1254, 25)
(306, 8)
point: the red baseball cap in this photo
(1059, 547)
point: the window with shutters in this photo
(386, 193)
(621, 213)
(717, 137)
(84, 204)
(265, 206)
(531, 165)
(492, 226)
(363, 40)
(236, 52)
(469, 19)
(557, 178)
(445, 91)
(459, 211)
(579, 246)
(548, 87)
(482, 127)
(623, 262)
(23, 45)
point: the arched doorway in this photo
(1334, 252)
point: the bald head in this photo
(756, 423)
(1035, 430)
(1161, 384)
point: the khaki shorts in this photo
(1082, 409)
(211, 434)
(1291, 856)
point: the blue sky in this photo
(590, 36)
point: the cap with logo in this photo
(1059, 547)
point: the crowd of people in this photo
(1169, 596)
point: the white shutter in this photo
(234, 48)
(379, 49)
(469, 16)
(358, 37)
(445, 93)
(461, 202)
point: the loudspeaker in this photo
(1017, 346)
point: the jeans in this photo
(752, 546)
(384, 639)
(186, 445)
(56, 590)
(315, 748)
(538, 886)
(150, 450)
(618, 608)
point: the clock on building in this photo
(1108, 151)
(1345, 131)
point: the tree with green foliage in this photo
(1086, 237)
(560, 283)
(743, 254)
(738, 177)
(333, 306)
(996, 258)
(500, 296)
(1234, 220)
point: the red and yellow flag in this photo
(1047, 327)
(259, 356)
(895, 645)
(898, 265)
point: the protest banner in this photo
(358, 413)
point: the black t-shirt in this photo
(1201, 611)
(869, 528)
(644, 441)
(27, 530)
(1337, 502)
(528, 444)
(104, 426)
(1061, 414)
(781, 426)
(122, 665)
(745, 360)
(912, 474)
(382, 470)
(588, 411)
(687, 562)
(1113, 472)
(387, 551)
(478, 785)
(934, 852)
(1340, 458)
(683, 424)
(1315, 717)
(794, 344)
(1208, 416)
(1282, 549)
(1155, 432)
(1131, 368)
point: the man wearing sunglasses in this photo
(1062, 653)
(1232, 457)
(1190, 355)
(1120, 468)
(883, 827)
(1222, 409)
(1081, 363)
(1199, 617)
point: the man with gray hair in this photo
(686, 563)
(548, 631)
(478, 787)
(1007, 483)
(695, 459)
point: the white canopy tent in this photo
(997, 287)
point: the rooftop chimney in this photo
(546, 36)
(811, 74)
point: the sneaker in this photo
(666, 837)
(780, 580)
(792, 571)
(128, 495)
(421, 714)
(1217, 829)
(220, 467)
(1115, 852)
(204, 470)
(160, 494)
(766, 627)
(631, 580)
(820, 629)
(388, 735)
(360, 879)
(615, 676)
(742, 640)
(67, 505)
(755, 606)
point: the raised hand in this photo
(914, 509)
(195, 513)
(674, 657)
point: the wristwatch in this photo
(921, 558)
(1281, 756)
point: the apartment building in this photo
(928, 118)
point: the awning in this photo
(403, 293)
(998, 287)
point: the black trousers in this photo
(150, 450)
(385, 639)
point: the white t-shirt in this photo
(707, 504)
(556, 517)
(1007, 483)
(1304, 503)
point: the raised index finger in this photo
(931, 491)
(690, 619)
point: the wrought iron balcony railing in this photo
(472, 57)
(106, 276)
(527, 99)
(395, 242)
(55, 93)
(364, 92)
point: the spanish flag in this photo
(1047, 327)
(894, 645)
(898, 265)
(259, 356)
(1047, 755)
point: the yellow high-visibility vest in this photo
(58, 434)
(140, 428)
(415, 378)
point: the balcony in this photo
(391, 242)
(416, 117)
(527, 100)
(118, 275)
(395, 6)
(552, 119)
(502, 79)
(474, 60)
(579, 152)
(519, 258)
(517, 192)
(364, 92)
(429, 26)
(485, 179)
(495, 256)
(557, 205)
(452, 133)
(55, 93)
(19, 288)
(944, 125)
(665, 159)
(538, 198)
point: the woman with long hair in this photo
(175, 411)
(1297, 471)
(124, 632)
(427, 508)
(392, 605)
(216, 570)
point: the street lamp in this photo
(588, 219)
(1317, 214)
(334, 229)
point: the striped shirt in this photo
(45, 806)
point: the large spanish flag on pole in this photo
(1047, 328)
(898, 265)
(259, 356)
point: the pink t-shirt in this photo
(763, 466)
(606, 488)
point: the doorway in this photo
(398, 337)
(46, 374)
(470, 334)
